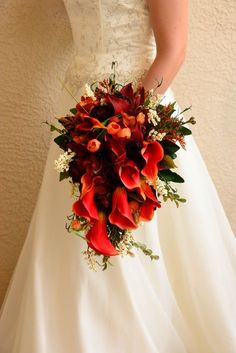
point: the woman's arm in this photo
(169, 19)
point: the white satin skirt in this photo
(183, 303)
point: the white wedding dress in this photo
(182, 303)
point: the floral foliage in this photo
(119, 145)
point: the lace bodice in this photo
(106, 31)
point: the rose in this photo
(113, 128)
(93, 145)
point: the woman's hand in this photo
(169, 19)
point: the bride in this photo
(182, 303)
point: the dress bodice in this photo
(106, 31)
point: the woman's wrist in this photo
(163, 71)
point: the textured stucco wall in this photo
(35, 48)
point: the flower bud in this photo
(113, 128)
(93, 145)
(126, 132)
(75, 224)
(140, 118)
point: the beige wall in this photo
(35, 47)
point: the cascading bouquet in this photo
(119, 147)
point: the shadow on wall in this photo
(35, 49)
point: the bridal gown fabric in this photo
(182, 303)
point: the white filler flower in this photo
(89, 92)
(153, 117)
(154, 100)
(62, 163)
(156, 136)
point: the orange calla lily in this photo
(89, 123)
(146, 211)
(150, 203)
(98, 238)
(121, 214)
(86, 206)
(129, 175)
(152, 152)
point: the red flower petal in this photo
(86, 207)
(129, 175)
(116, 145)
(121, 214)
(89, 124)
(98, 238)
(127, 90)
(119, 104)
(146, 192)
(147, 208)
(146, 211)
(87, 183)
(152, 152)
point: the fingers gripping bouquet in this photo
(119, 147)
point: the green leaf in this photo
(146, 103)
(169, 161)
(160, 108)
(167, 175)
(73, 111)
(61, 140)
(185, 110)
(184, 130)
(173, 155)
(52, 127)
(64, 175)
(169, 147)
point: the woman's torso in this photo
(106, 31)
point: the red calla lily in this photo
(146, 211)
(152, 152)
(121, 214)
(116, 145)
(87, 183)
(139, 97)
(150, 202)
(147, 193)
(127, 90)
(89, 124)
(86, 206)
(119, 104)
(98, 238)
(129, 175)
(136, 98)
